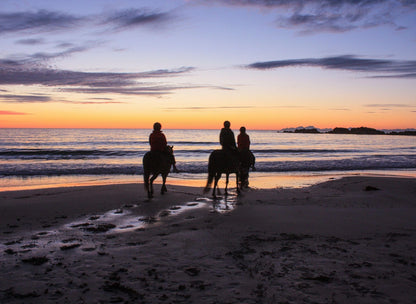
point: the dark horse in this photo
(222, 162)
(155, 163)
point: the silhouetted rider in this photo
(158, 143)
(243, 144)
(227, 139)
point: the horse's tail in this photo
(211, 173)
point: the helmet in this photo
(157, 126)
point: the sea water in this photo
(32, 158)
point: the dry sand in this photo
(351, 240)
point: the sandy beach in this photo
(350, 240)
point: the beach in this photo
(347, 240)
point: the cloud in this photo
(67, 52)
(12, 113)
(93, 102)
(390, 105)
(101, 98)
(30, 41)
(398, 68)
(209, 108)
(340, 109)
(131, 18)
(144, 89)
(328, 15)
(37, 98)
(48, 21)
(202, 108)
(41, 20)
(29, 71)
(38, 60)
(24, 98)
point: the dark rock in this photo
(100, 228)
(71, 246)
(36, 260)
(371, 188)
(313, 131)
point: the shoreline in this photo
(345, 240)
(258, 180)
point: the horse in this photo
(247, 162)
(220, 162)
(155, 163)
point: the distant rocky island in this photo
(340, 130)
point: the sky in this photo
(264, 64)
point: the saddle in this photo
(160, 156)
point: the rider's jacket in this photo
(157, 141)
(227, 139)
(243, 141)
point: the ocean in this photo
(31, 158)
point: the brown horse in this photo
(222, 162)
(155, 163)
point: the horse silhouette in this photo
(155, 163)
(222, 162)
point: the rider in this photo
(158, 143)
(243, 144)
(227, 139)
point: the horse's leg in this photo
(227, 177)
(217, 178)
(151, 183)
(236, 180)
(243, 178)
(146, 183)
(164, 189)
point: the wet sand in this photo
(351, 240)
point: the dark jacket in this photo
(227, 139)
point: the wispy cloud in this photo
(131, 18)
(29, 71)
(389, 105)
(340, 109)
(12, 113)
(193, 108)
(24, 98)
(30, 41)
(395, 68)
(37, 21)
(328, 15)
(49, 21)
(203, 108)
(92, 102)
(39, 59)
